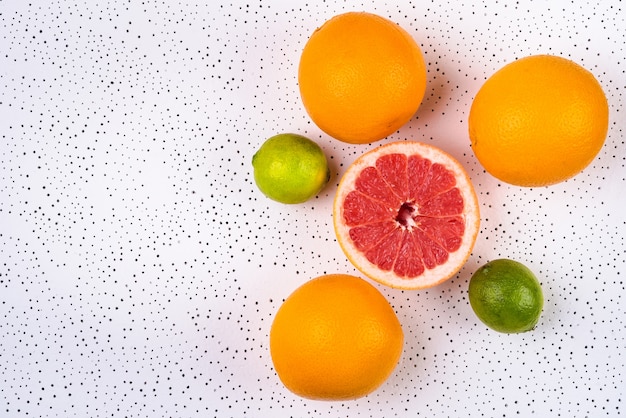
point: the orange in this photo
(335, 337)
(361, 77)
(406, 215)
(538, 121)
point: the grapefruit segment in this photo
(410, 258)
(362, 209)
(366, 236)
(448, 203)
(371, 183)
(406, 215)
(393, 169)
(384, 253)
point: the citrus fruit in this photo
(361, 77)
(290, 168)
(538, 121)
(335, 337)
(406, 215)
(506, 296)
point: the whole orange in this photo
(361, 77)
(335, 337)
(538, 121)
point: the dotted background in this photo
(140, 268)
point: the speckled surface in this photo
(140, 268)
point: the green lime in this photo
(506, 296)
(290, 168)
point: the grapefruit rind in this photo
(430, 277)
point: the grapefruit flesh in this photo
(406, 215)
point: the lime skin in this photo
(290, 168)
(506, 296)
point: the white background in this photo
(140, 268)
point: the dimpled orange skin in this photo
(335, 338)
(538, 121)
(361, 77)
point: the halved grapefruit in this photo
(406, 215)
